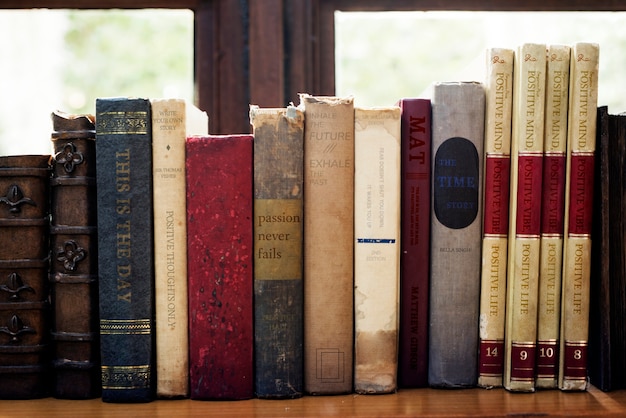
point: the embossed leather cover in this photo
(125, 243)
(24, 307)
(73, 267)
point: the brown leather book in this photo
(24, 307)
(73, 268)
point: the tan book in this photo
(552, 211)
(581, 147)
(328, 244)
(172, 121)
(498, 114)
(376, 248)
(458, 115)
(525, 217)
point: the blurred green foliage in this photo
(383, 56)
(127, 53)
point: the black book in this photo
(125, 242)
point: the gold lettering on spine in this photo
(123, 227)
(170, 265)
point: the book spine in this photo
(329, 244)
(525, 218)
(552, 213)
(219, 266)
(604, 367)
(278, 251)
(578, 216)
(414, 242)
(498, 114)
(617, 247)
(376, 248)
(24, 263)
(74, 267)
(458, 112)
(172, 122)
(125, 248)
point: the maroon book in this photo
(219, 264)
(415, 242)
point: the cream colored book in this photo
(498, 118)
(376, 248)
(581, 137)
(552, 211)
(172, 121)
(328, 244)
(525, 217)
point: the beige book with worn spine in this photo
(581, 147)
(525, 217)
(498, 114)
(552, 211)
(172, 121)
(376, 248)
(328, 244)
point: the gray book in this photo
(457, 153)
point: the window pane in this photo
(65, 59)
(383, 56)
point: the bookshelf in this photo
(266, 52)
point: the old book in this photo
(74, 258)
(125, 248)
(458, 114)
(525, 217)
(376, 248)
(581, 138)
(24, 291)
(414, 241)
(607, 296)
(278, 249)
(498, 118)
(172, 121)
(219, 266)
(328, 244)
(552, 212)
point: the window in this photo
(383, 56)
(65, 59)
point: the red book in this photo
(219, 263)
(415, 242)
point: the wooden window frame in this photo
(266, 52)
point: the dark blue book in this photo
(125, 242)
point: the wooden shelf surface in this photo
(404, 403)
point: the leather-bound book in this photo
(73, 265)
(219, 266)
(414, 242)
(24, 294)
(278, 326)
(125, 248)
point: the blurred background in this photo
(65, 59)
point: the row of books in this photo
(335, 249)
